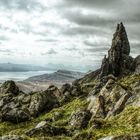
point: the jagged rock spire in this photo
(118, 55)
(120, 38)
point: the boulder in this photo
(65, 88)
(41, 124)
(110, 100)
(56, 116)
(76, 91)
(16, 106)
(97, 106)
(135, 98)
(9, 87)
(15, 115)
(120, 105)
(55, 91)
(45, 129)
(80, 118)
(43, 101)
(102, 82)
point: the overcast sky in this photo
(69, 32)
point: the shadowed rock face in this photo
(80, 118)
(118, 55)
(9, 87)
(16, 106)
(120, 40)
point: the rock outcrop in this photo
(108, 96)
(16, 106)
(118, 61)
(80, 118)
(9, 87)
(110, 100)
(44, 101)
(46, 129)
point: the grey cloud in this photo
(72, 49)
(87, 20)
(87, 43)
(3, 38)
(50, 52)
(100, 20)
(100, 24)
(89, 3)
(83, 31)
(116, 6)
(97, 49)
(118, 11)
(81, 26)
(5, 51)
(135, 45)
(20, 4)
(47, 40)
(135, 48)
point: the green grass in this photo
(7, 128)
(127, 81)
(88, 87)
(125, 123)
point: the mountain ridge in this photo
(59, 75)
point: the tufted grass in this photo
(7, 128)
(129, 80)
(127, 122)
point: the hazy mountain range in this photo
(42, 82)
(12, 67)
(58, 76)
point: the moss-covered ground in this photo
(7, 128)
(125, 123)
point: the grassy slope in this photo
(7, 128)
(126, 122)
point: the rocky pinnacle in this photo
(120, 39)
(118, 55)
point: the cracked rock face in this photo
(16, 106)
(80, 118)
(44, 129)
(9, 87)
(110, 101)
(118, 56)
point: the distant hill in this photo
(10, 67)
(59, 76)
